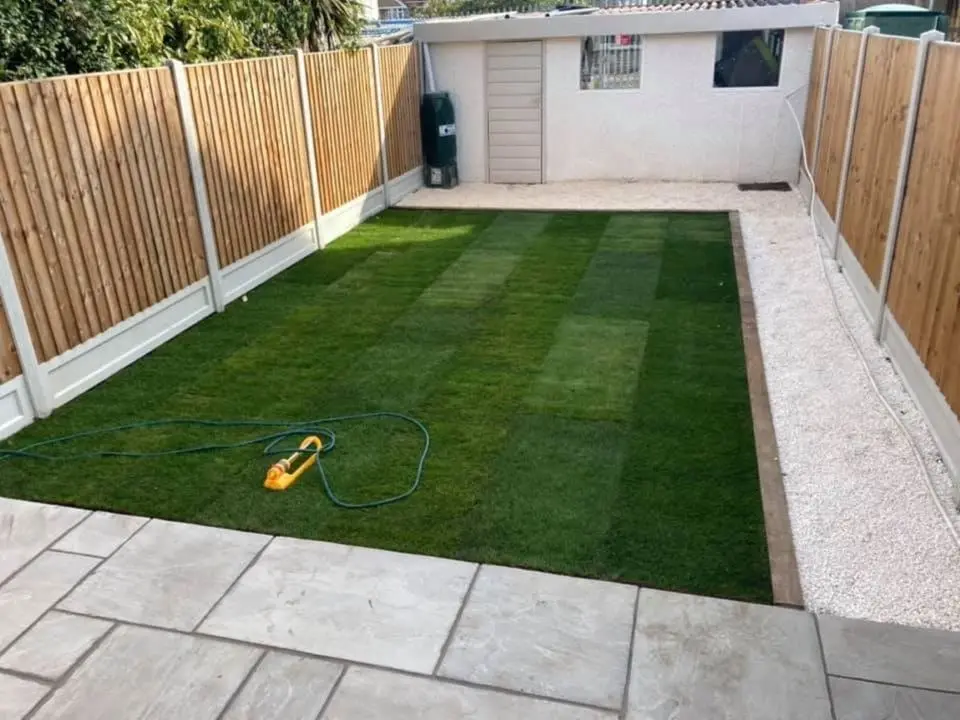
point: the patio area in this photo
(209, 623)
(111, 616)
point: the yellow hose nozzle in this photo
(279, 476)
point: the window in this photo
(610, 62)
(748, 58)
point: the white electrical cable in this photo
(927, 477)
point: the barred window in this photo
(609, 62)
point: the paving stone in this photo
(561, 637)
(18, 696)
(285, 687)
(27, 528)
(54, 644)
(152, 675)
(100, 534)
(861, 700)
(369, 694)
(36, 588)
(697, 658)
(891, 653)
(169, 575)
(373, 606)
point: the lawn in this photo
(581, 375)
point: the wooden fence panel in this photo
(820, 36)
(95, 201)
(400, 84)
(836, 115)
(345, 124)
(254, 154)
(9, 362)
(877, 139)
(925, 279)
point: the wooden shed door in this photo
(514, 134)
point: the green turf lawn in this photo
(581, 374)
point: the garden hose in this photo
(271, 443)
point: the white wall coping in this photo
(646, 22)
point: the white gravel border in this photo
(870, 542)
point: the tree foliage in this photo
(40, 38)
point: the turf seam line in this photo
(242, 685)
(823, 665)
(456, 620)
(624, 708)
(46, 547)
(352, 663)
(333, 691)
(67, 675)
(246, 568)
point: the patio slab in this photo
(285, 687)
(370, 606)
(891, 654)
(370, 694)
(697, 657)
(154, 675)
(26, 597)
(27, 528)
(859, 700)
(170, 575)
(18, 696)
(548, 635)
(53, 645)
(100, 534)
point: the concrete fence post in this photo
(906, 150)
(307, 118)
(819, 121)
(851, 129)
(35, 377)
(381, 125)
(189, 124)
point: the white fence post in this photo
(189, 124)
(33, 375)
(378, 94)
(307, 117)
(819, 121)
(851, 128)
(906, 150)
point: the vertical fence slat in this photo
(401, 89)
(310, 146)
(848, 135)
(924, 292)
(117, 211)
(178, 159)
(248, 117)
(104, 258)
(70, 206)
(140, 122)
(881, 119)
(836, 112)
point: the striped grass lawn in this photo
(581, 374)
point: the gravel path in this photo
(870, 542)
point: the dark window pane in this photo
(748, 58)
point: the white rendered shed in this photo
(633, 93)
